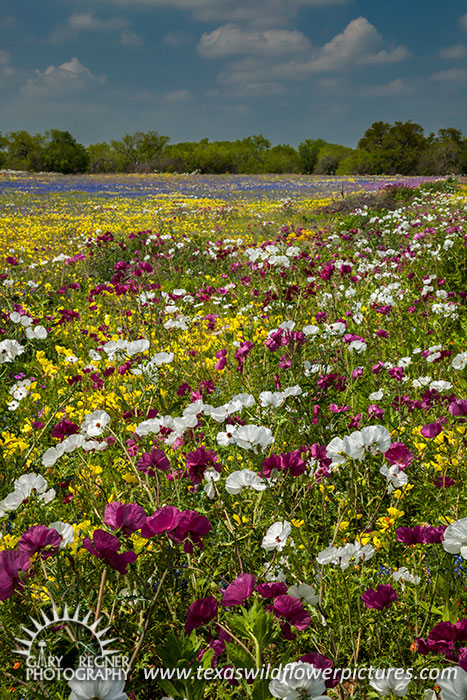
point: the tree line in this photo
(384, 149)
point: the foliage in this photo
(63, 154)
(154, 349)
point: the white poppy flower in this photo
(298, 680)
(65, 530)
(440, 385)
(335, 451)
(455, 687)
(36, 333)
(9, 350)
(459, 361)
(251, 436)
(51, 456)
(272, 398)
(163, 358)
(137, 346)
(210, 475)
(310, 330)
(94, 424)
(244, 478)
(377, 438)
(220, 413)
(276, 536)
(97, 689)
(391, 680)
(327, 556)
(455, 538)
(304, 592)
(396, 477)
(376, 395)
(354, 446)
(357, 346)
(293, 391)
(404, 574)
(147, 427)
(246, 400)
(337, 328)
(71, 443)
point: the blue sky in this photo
(226, 69)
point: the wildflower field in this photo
(232, 429)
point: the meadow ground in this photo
(232, 427)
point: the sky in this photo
(227, 69)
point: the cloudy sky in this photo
(226, 69)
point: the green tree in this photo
(373, 138)
(140, 151)
(282, 159)
(63, 154)
(330, 158)
(3, 149)
(24, 151)
(308, 152)
(443, 154)
(359, 163)
(104, 159)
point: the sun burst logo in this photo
(62, 644)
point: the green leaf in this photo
(238, 656)
(261, 690)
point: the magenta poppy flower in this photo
(381, 598)
(433, 535)
(200, 460)
(39, 539)
(444, 482)
(105, 546)
(291, 462)
(321, 662)
(272, 590)
(221, 356)
(291, 610)
(150, 461)
(410, 535)
(128, 517)
(431, 430)
(442, 638)
(163, 520)
(201, 612)
(64, 428)
(189, 529)
(12, 561)
(399, 454)
(238, 591)
(458, 407)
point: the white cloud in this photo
(395, 87)
(6, 69)
(58, 82)
(178, 39)
(463, 21)
(358, 45)
(230, 39)
(131, 39)
(456, 52)
(178, 96)
(453, 75)
(264, 13)
(86, 22)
